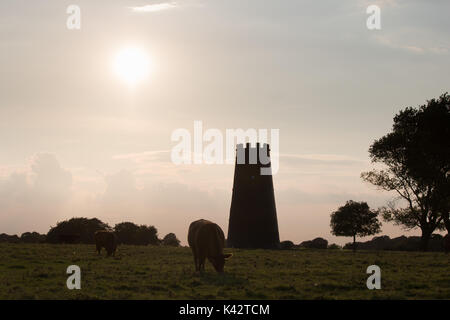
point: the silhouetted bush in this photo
(286, 245)
(401, 243)
(317, 243)
(130, 233)
(76, 230)
(32, 237)
(9, 238)
(170, 239)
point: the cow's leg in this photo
(202, 263)
(196, 262)
(194, 254)
(99, 248)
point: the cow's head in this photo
(219, 261)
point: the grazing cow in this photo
(447, 243)
(106, 239)
(207, 240)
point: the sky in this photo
(78, 140)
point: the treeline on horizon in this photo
(82, 230)
(379, 243)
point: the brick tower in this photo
(253, 215)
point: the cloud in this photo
(43, 194)
(412, 48)
(146, 156)
(325, 159)
(336, 196)
(169, 206)
(48, 176)
(34, 199)
(164, 156)
(155, 7)
(439, 50)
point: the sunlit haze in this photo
(76, 143)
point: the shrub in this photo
(286, 245)
(130, 233)
(32, 237)
(317, 243)
(170, 239)
(75, 230)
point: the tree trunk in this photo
(424, 240)
(354, 242)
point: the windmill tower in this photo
(253, 215)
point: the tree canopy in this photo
(76, 229)
(416, 159)
(170, 239)
(354, 219)
(130, 233)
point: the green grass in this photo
(38, 271)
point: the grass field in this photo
(38, 271)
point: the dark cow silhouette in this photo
(106, 239)
(447, 243)
(207, 240)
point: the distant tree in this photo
(416, 155)
(147, 235)
(81, 229)
(130, 233)
(9, 238)
(317, 243)
(170, 239)
(32, 237)
(286, 245)
(126, 232)
(355, 219)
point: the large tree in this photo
(416, 159)
(355, 219)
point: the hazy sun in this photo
(132, 65)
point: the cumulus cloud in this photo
(169, 206)
(34, 199)
(43, 194)
(49, 177)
